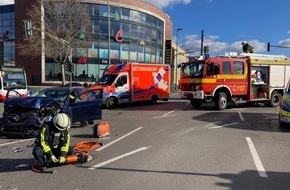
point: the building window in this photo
(141, 55)
(124, 52)
(104, 50)
(115, 51)
(103, 11)
(133, 53)
(103, 27)
(115, 27)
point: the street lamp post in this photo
(109, 34)
(176, 58)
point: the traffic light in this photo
(69, 67)
(82, 36)
(206, 49)
(27, 28)
(268, 46)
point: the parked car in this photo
(23, 116)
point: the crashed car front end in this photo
(25, 116)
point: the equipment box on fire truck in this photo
(134, 82)
(241, 78)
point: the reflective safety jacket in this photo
(50, 138)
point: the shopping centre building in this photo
(146, 37)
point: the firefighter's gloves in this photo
(62, 160)
(53, 159)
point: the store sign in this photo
(118, 36)
(82, 60)
(104, 61)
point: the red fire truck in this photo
(240, 78)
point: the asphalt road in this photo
(170, 145)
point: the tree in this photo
(58, 30)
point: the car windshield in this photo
(107, 79)
(192, 69)
(61, 94)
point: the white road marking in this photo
(117, 158)
(21, 166)
(163, 116)
(166, 115)
(220, 126)
(14, 142)
(205, 126)
(186, 131)
(109, 144)
(241, 117)
(256, 158)
(208, 125)
(235, 109)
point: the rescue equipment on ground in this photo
(81, 155)
(101, 129)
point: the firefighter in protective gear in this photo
(53, 141)
(247, 48)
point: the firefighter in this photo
(73, 98)
(53, 141)
(247, 48)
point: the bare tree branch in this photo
(66, 20)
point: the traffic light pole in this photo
(269, 46)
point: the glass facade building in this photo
(135, 36)
(121, 31)
(7, 29)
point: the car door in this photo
(122, 88)
(87, 107)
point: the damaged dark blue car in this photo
(24, 116)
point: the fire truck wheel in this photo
(275, 99)
(111, 103)
(196, 103)
(221, 101)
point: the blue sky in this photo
(226, 23)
